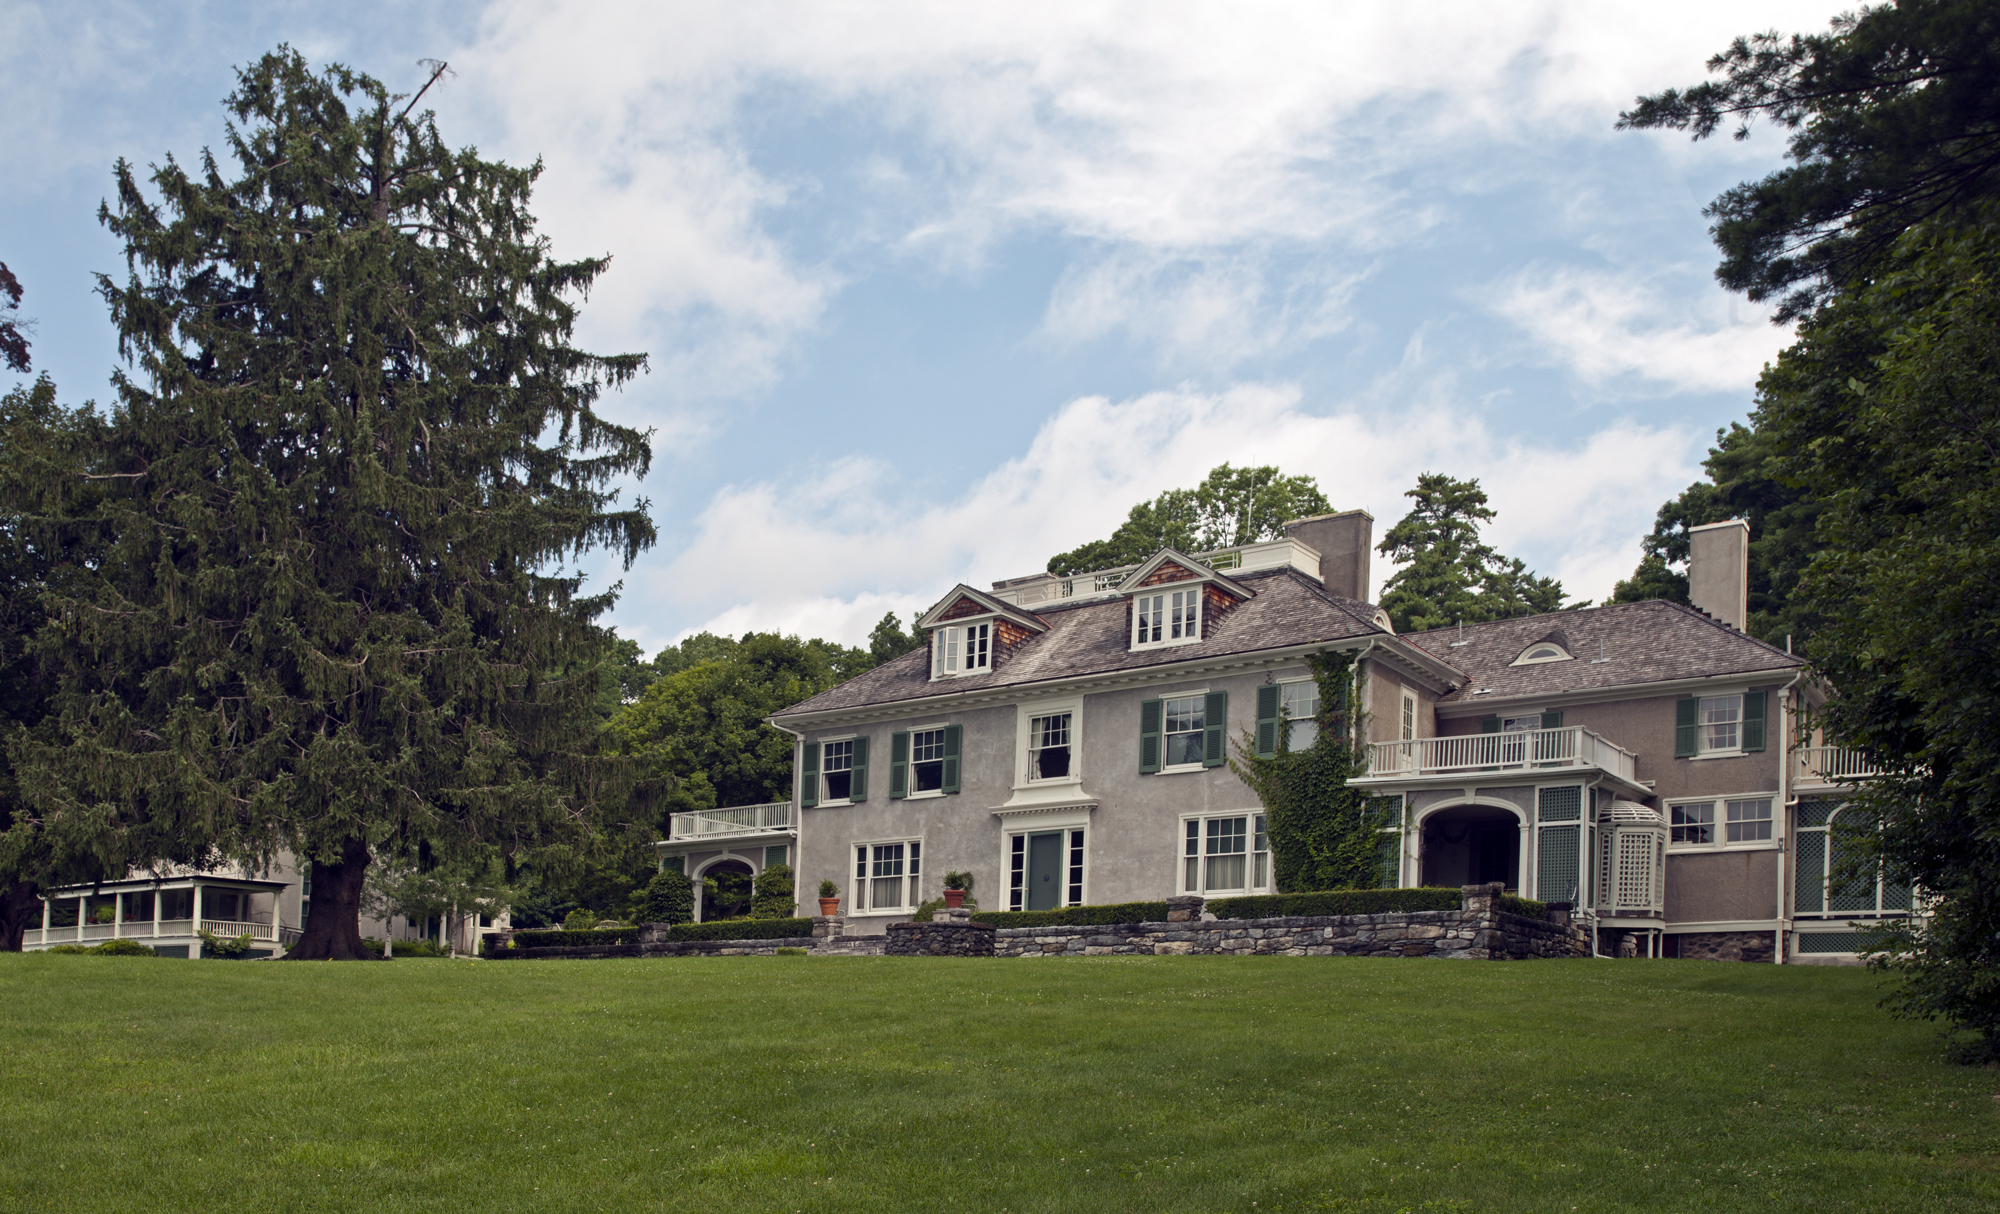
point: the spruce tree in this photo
(340, 490)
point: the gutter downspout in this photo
(798, 813)
(1784, 799)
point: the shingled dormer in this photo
(1177, 600)
(971, 632)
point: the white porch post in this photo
(82, 907)
(194, 911)
(48, 905)
(156, 909)
(1524, 881)
(117, 915)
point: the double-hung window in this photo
(1225, 855)
(887, 876)
(927, 760)
(1721, 822)
(1301, 704)
(837, 759)
(961, 649)
(1185, 725)
(1719, 725)
(1049, 747)
(1167, 618)
(1721, 722)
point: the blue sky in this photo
(934, 291)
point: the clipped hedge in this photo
(110, 948)
(1338, 902)
(1078, 916)
(741, 929)
(1527, 908)
(560, 938)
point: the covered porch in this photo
(729, 846)
(167, 914)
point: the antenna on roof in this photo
(1600, 653)
(1461, 634)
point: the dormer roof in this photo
(964, 603)
(1170, 567)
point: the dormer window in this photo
(1170, 617)
(1542, 651)
(961, 649)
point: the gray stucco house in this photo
(1064, 740)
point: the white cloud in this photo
(826, 558)
(1602, 325)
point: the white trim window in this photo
(927, 762)
(1051, 753)
(888, 876)
(1184, 726)
(1722, 822)
(837, 770)
(1300, 704)
(961, 649)
(1225, 854)
(1721, 720)
(1408, 725)
(1166, 618)
(1543, 651)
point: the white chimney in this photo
(1719, 571)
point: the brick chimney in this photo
(1344, 542)
(1719, 571)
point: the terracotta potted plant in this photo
(955, 886)
(829, 898)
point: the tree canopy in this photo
(1446, 574)
(1231, 506)
(332, 613)
(1896, 120)
(13, 329)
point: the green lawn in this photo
(889, 1084)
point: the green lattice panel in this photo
(1809, 888)
(1830, 942)
(1816, 813)
(1388, 859)
(1855, 895)
(1559, 864)
(1561, 804)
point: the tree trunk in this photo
(17, 906)
(333, 923)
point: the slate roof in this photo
(1091, 638)
(1652, 642)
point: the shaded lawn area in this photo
(1267, 1084)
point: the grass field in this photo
(1265, 1084)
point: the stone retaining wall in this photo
(655, 947)
(949, 934)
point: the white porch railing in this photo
(736, 820)
(223, 929)
(1569, 746)
(1830, 765)
(142, 929)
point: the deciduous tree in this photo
(1231, 506)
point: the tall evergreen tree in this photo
(1447, 575)
(333, 616)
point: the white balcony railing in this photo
(1830, 765)
(1527, 750)
(736, 820)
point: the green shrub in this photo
(741, 929)
(565, 938)
(827, 889)
(1116, 912)
(70, 949)
(225, 950)
(1527, 908)
(773, 896)
(123, 948)
(794, 952)
(582, 919)
(418, 948)
(1338, 902)
(669, 898)
(957, 880)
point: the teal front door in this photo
(1045, 871)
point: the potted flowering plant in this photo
(956, 885)
(829, 898)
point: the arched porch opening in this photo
(1471, 845)
(730, 897)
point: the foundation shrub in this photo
(1338, 902)
(1527, 908)
(564, 938)
(1116, 912)
(741, 929)
(110, 948)
(772, 894)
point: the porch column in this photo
(156, 909)
(194, 910)
(117, 915)
(48, 906)
(1526, 879)
(82, 906)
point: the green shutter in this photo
(1552, 720)
(1149, 736)
(1267, 720)
(858, 783)
(1215, 722)
(899, 764)
(809, 777)
(952, 735)
(1753, 720)
(1687, 728)
(1489, 725)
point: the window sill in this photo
(927, 795)
(1723, 754)
(843, 803)
(1182, 769)
(1149, 646)
(1704, 849)
(899, 912)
